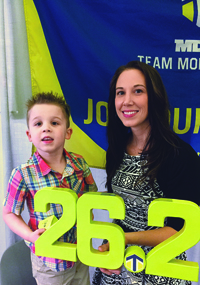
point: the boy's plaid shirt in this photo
(34, 175)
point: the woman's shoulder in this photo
(178, 175)
(181, 159)
(183, 151)
(184, 145)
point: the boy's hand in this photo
(36, 234)
(102, 248)
(18, 226)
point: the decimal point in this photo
(135, 259)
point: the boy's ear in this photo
(29, 135)
(68, 133)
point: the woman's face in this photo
(131, 100)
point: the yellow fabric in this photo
(44, 79)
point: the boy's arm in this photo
(18, 226)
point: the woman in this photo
(145, 160)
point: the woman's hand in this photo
(102, 248)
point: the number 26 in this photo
(47, 245)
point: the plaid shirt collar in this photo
(43, 168)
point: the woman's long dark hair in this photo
(161, 139)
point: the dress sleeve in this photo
(16, 192)
(179, 179)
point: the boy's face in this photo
(48, 128)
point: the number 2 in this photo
(160, 260)
(47, 244)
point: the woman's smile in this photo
(129, 113)
(131, 99)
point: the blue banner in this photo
(89, 39)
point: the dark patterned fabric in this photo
(137, 197)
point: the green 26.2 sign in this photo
(159, 261)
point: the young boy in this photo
(50, 166)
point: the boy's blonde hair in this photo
(48, 98)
